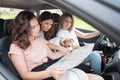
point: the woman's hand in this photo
(97, 33)
(59, 48)
(76, 47)
(63, 50)
(56, 73)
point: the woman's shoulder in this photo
(61, 32)
(15, 49)
(14, 45)
(41, 39)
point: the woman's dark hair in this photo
(56, 17)
(20, 29)
(45, 16)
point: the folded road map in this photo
(75, 57)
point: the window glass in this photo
(8, 13)
(52, 11)
(79, 23)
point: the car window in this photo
(8, 13)
(79, 23)
(58, 11)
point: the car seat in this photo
(4, 48)
(56, 27)
(5, 73)
(1, 28)
(4, 27)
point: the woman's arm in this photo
(54, 55)
(86, 35)
(20, 65)
(59, 48)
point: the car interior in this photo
(107, 23)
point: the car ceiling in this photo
(25, 4)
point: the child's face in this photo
(46, 24)
(67, 23)
(35, 27)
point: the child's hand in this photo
(76, 47)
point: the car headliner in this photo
(25, 4)
(102, 14)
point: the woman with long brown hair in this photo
(46, 21)
(29, 51)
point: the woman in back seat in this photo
(46, 21)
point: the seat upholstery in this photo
(5, 74)
(1, 24)
(1, 28)
(56, 27)
(4, 48)
(4, 27)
